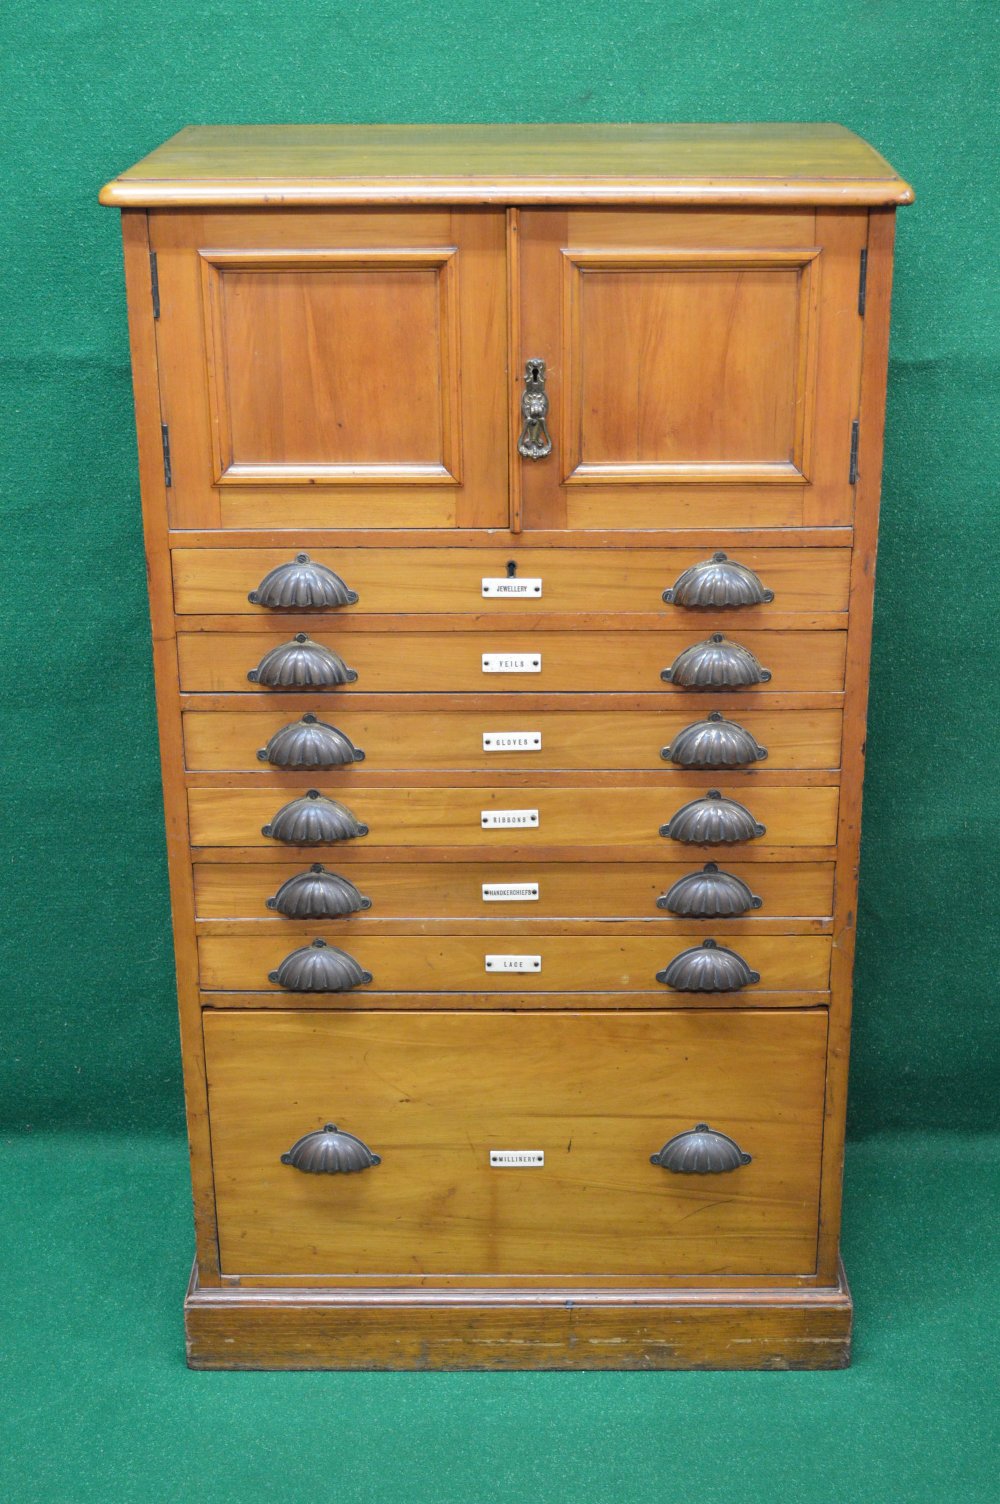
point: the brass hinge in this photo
(863, 283)
(855, 428)
(154, 284)
(165, 436)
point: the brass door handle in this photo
(535, 442)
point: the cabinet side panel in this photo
(154, 511)
(875, 360)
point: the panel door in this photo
(333, 369)
(702, 369)
(590, 1096)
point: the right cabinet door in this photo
(702, 368)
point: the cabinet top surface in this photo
(421, 164)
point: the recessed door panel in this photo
(338, 366)
(686, 366)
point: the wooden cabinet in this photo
(510, 500)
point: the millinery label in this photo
(512, 741)
(512, 663)
(516, 1159)
(500, 819)
(510, 892)
(513, 963)
(496, 586)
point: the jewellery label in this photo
(510, 892)
(512, 741)
(513, 963)
(516, 1159)
(498, 586)
(500, 819)
(512, 663)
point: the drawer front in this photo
(217, 581)
(433, 1094)
(511, 890)
(517, 963)
(530, 817)
(489, 740)
(444, 662)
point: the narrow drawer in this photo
(519, 963)
(218, 581)
(530, 818)
(487, 740)
(592, 1096)
(502, 659)
(511, 890)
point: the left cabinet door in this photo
(342, 368)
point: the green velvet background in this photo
(97, 1221)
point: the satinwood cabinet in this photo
(510, 499)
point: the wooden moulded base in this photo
(549, 1329)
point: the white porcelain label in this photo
(500, 819)
(512, 663)
(513, 963)
(510, 892)
(516, 1159)
(512, 741)
(494, 586)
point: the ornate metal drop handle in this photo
(535, 442)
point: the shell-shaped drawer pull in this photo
(712, 820)
(701, 1150)
(713, 743)
(302, 585)
(715, 663)
(719, 583)
(709, 894)
(318, 894)
(313, 820)
(708, 967)
(301, 664)
(330, 1151)
(319, 967)
(310, 743)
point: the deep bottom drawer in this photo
(595, 1094)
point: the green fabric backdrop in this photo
(89, 1025)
